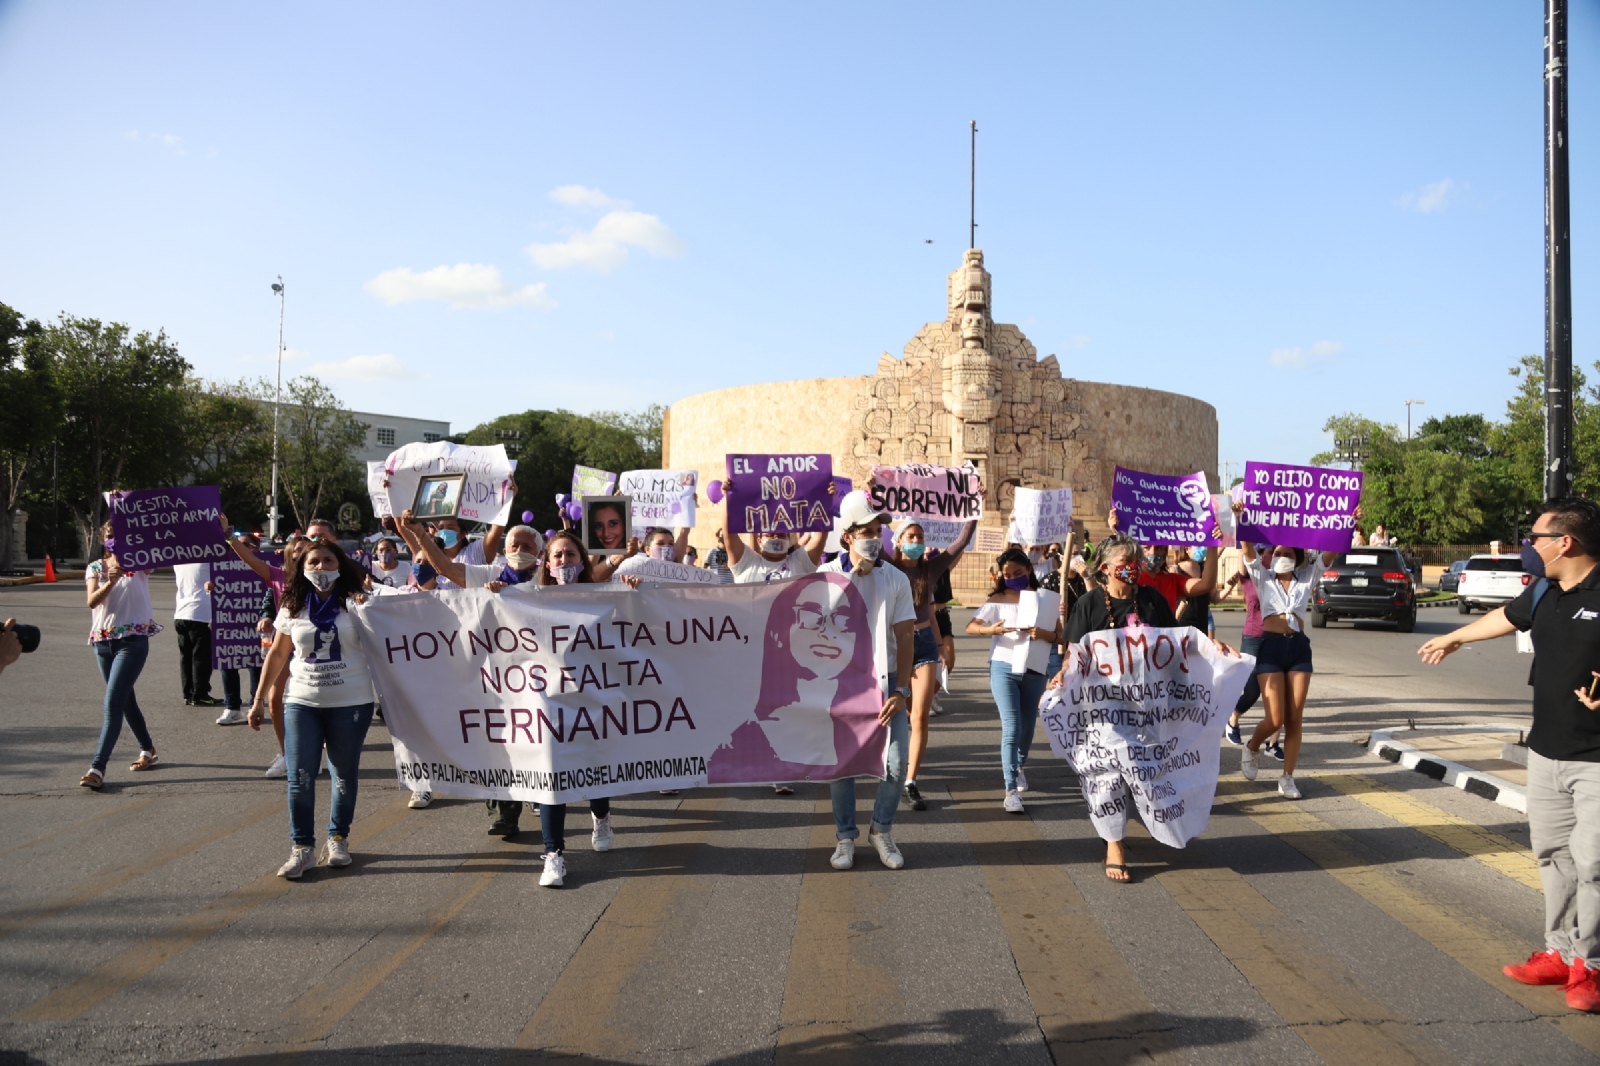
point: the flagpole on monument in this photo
(277, 391)
(972, 192)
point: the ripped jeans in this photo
(306, 730)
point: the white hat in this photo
(856, 510)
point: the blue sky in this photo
(1288, 210)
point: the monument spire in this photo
(972, 192)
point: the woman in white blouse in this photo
(120, 629)
(1285, 581)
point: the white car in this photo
(1490, 581)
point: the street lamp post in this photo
(1408, 416)
(277, 392)
(1352, 450)
(1557, 259)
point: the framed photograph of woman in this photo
(605, 524)
(438, 496)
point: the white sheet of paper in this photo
(1031, 607)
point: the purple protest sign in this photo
(1299, 506)
(1174, 509)
(236, 594)
(779, 493)
(161, 527)
(917, 490)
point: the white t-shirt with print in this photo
(1002, 646)
(887, 591)
(471, 555)
(398, 578)
(754, 568)
(329, 668)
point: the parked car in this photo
(1450, 580)
(1489, 581)
(1372, 583)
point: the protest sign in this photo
(1174, 509)
(920, 491)
(1142, 712)
(1222, 504)
(936, 534)
(164, 527)
(1299, 506)
(643, 566)
(662, 499)
(486, 491)
(1035, 608)
(554, 695)
(1041, 516)
(375, 490)
(779, 493)
(592, 481)
(236, 594)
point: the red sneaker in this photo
(1583, 990)
(1542, 968)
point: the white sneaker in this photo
(1022, 780)
(338, 853)
(888, 852)
(279, 767)
(1247, 763)
(1287, 788)
(301, 858)
(555, 871)
(1013, 803)
(844, 855)
(419, 800)
(600, 837)
(233, 716)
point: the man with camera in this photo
(15, 640)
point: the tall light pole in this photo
(1557, 259)
(1408, 416)
(277, 392)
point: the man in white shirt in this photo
(892, 618)
(191, 614)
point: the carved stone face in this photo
(972, 330)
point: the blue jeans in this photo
(230, 687)
(121, 661)
(305, 730)
(1252, 687)
(553, 821)
(1056, 659)
(894, 779)
(1017, 696)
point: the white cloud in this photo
(365, 368)
(1435, 196)
(605, 247)
(1304, 357)
(475, 286)
(582, 196)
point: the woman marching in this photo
(1285, 583)
(120, 627)
(327, 699)
(387, 568)
(924, 569)
(1016, 693)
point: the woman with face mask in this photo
(387, 568)
(120, 627)
(1015, 695)
(924, 569)
(1285, 582)
(327, 699)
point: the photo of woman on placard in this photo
(605, 524)
(816, 717)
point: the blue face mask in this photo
(447, 538)
(1197, 554)
(1532, 561)
(913, 551)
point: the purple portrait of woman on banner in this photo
(816, 717)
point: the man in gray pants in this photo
(1561, 609)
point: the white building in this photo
(385, 433)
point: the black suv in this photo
(1367, 583)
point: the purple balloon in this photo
(527, 516)
(575, 511)
(714, 492)
(549, 533)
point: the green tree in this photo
(229, 444)
(317, 440)
(30, 413)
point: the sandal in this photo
(145, 761)
(1118, 866)
(92, 780)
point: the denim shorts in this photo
(1284, 654)
(924, 647)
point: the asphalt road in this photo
(1364, 924)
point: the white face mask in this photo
(869, 548)
(774, 545)
(322, 579)
(566, 575)
(662, 552)
(522, 560)
(1282, 564)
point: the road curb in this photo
(1488, 786)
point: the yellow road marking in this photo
(54, 833)
(123, 969)
(583, 1012)
(1465, 937)
(831, 993)
(1493, 850)
(26, 916)
(1090, 1007)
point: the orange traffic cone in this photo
(49, 570)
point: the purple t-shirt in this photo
(1252, 609)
